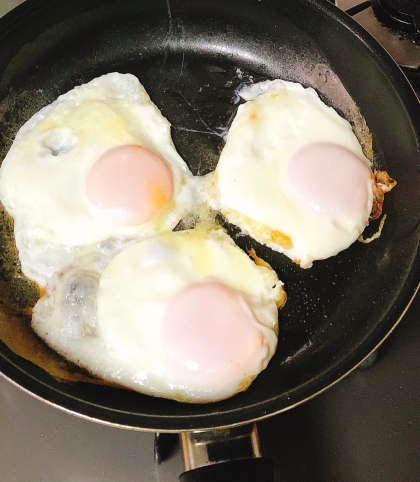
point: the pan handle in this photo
(225, 455)
(259, 469)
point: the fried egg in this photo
(95, 168)
(184, 315)
(292, 173)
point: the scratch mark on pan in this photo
(209, 129)
(165, 57)
(298, 352)
(182, 65)
(168, 5)
(210, 132)
(169, 35)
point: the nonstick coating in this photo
(192, 56)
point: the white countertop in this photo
(6, 5)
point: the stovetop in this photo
(366, 428)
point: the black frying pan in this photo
(191, 55)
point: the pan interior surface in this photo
(192, 56)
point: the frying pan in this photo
(192, 56)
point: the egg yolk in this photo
(131, 183)
(210, 332)
(329, 179)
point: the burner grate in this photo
(402, 16)
(400, 44)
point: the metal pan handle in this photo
(258, 469)
(225, 455)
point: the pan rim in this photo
(395, 75)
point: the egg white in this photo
(249, 184)
(43, 177)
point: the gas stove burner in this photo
(395, 24)
(400, 15)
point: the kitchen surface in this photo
(365, 428)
